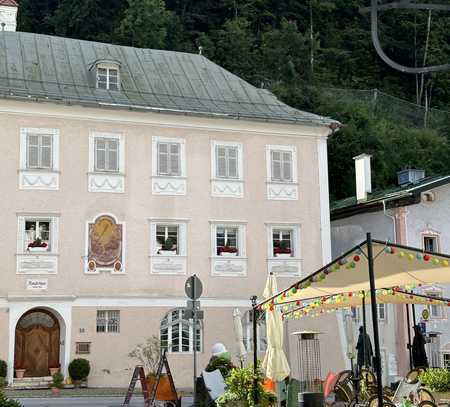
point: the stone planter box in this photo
(37, 249)
(168, 252)
(228, 254)
(283, 255)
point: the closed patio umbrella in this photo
(275, 363)
(239, 335)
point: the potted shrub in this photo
(6, 402)
(54, 369)
(227, 250)
(37, 246)
(239, 391)
(20, 370)
(283, 250)
(149, 354)
(3, 368)
(57, 384)
(79, 370)
(168, 248)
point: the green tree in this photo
(145, 24)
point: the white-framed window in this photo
(436, 311)
(446, 360)
(226, 160)
(247, 327)
(108, 77)
(108, 321)
(228, 238)
(382, 312)
(177, 333)
(430, 243)
(38, 234)
(281, 164)
(169, 159)
(39, 149)
(168, 237)
(106, 152)
(284, 241)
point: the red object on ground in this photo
(269, 384)
(329, 383)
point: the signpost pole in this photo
(194, 341)
(255, 347)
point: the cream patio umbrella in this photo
(239, 335)
(275, 363)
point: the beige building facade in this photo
(109, 208)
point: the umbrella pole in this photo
(408, 323)
(373, 300)
(364, 331)
(255, 349)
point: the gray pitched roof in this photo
(57, 69)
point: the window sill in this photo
(39, 179)
(228, 266)
(282, 191)
(113, 182)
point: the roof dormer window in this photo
(108, 77)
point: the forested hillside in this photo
(294, 48)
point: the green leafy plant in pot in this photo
(57, 384)
(79, 370)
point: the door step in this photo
(29, 383)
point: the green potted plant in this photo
(282, 250)
(38, 245)
(168, 248)
(57, 383)
(149, 354)
(240, 390)
(79, 370)
(6, 402)
(20, 370)
(54, 368)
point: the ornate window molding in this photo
(281, 166)
(111, 178)
(228, 262)
(227, 170)
(168, 166)
(284, 264)
(39, 159)
(105, 245)
(177, 333)
(37, 228)
(163, 260)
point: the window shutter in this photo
(32, 151)
(221, 162)
(232, 165)
(113, 155)
(287, 166)
(163, 162)
(46, 151)
(276, 165)
(174, 159)
(100, 154)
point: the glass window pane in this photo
(100, 160)
(46, 157)
(222, 167)
(113, 160)
(232, 168)
(32, 151)
(163, 159)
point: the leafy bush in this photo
(436, 379)
(58, 380)
(240, 384)
(79, 369)
(148, 354)
(3, 382)
(223, 364)
(3, 368)
(5, 402)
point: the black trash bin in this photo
(310, 399)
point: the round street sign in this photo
(193, 287)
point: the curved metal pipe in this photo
(389, 61)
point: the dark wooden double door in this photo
(37, 344)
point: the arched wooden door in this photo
(37, 343)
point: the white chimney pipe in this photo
(363, 176)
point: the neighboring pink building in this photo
(124, 171)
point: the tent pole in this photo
(255, 348)
(414, 314)
(373, 300)
(408, 323)
(364, 330)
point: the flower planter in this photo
(164, 391)
(53, 370)
(56, 391)
(20, 373)
(228, 254)
(37, 249)
(283, 255)
(168, 252)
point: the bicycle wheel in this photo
(427, 403)
(425, 395)
(373, 402)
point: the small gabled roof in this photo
(11, 3)
(56, 69)
(408, 194)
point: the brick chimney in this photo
(8, 15)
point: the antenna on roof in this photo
(200, 50)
